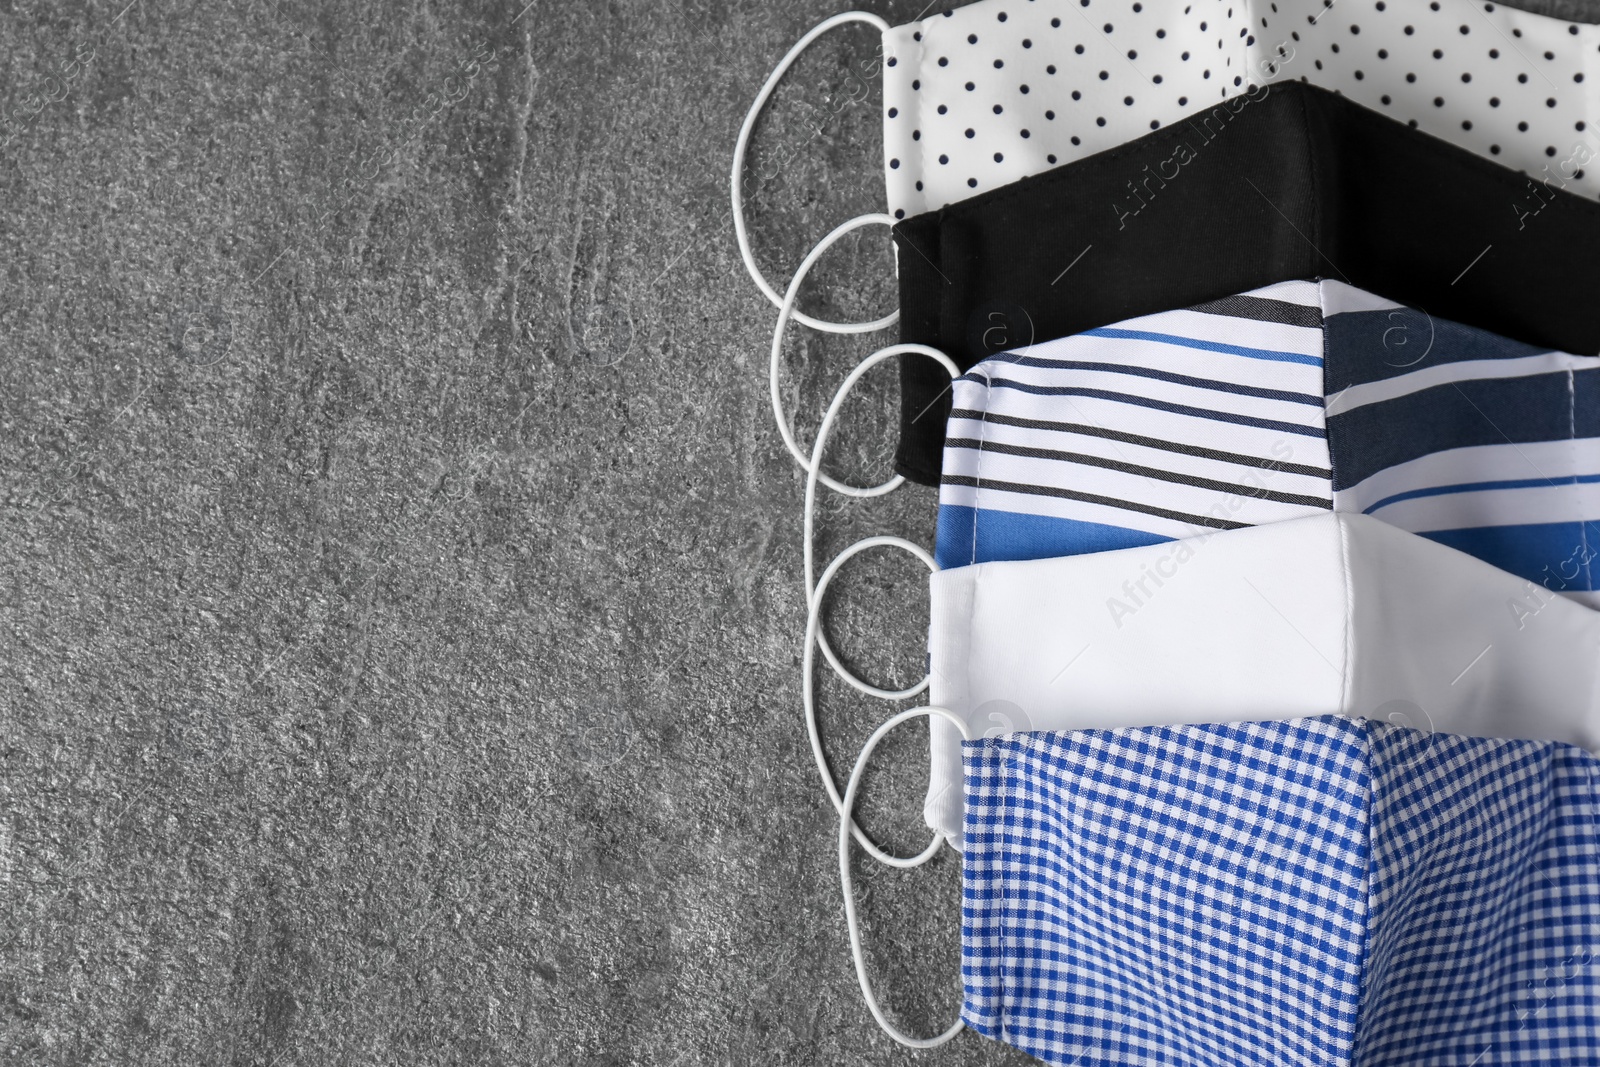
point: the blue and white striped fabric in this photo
(1322, 891)
(1277, 404)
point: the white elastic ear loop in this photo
(813, 475)
(736, 182)
(845, 823)
(808, 696)
(785, 312)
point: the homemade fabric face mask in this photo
(1283, 402)
(992, 92)
(1320, 892)
(1291, 182)
(982, 95)
(1335, 614)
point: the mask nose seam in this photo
(977, 469)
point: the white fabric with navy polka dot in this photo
(983, 95)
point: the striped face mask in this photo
(1283, 402)
(1295, 183)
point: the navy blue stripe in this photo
(1311, 399)
(1374, 346)
(1488, 411)
(1159, 405)
(1215, 485)
(1091, 498)
(1108, 434)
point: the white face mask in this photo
(1336, 614)
(998, 90)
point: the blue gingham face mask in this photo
(1319, 891)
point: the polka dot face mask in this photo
(995, 91)
(1288, 181)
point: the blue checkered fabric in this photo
(1485, 903)
(1323, 891)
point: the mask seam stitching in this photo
(1347, 665)
(1318, 209)
(977, 469)
(1572, 437)
(1005, 890)
(1370, 858)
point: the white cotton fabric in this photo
(995, 91)
(1334, 614)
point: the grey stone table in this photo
(401, 621)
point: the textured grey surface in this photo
(400, 630)
(401, 604)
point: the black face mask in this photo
(1285, 182)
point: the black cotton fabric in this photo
(1288, 181)
(1566, 10)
